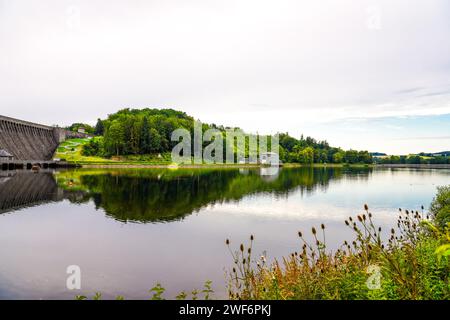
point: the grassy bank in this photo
(71, 151)
(407, 262)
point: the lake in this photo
(130, 229)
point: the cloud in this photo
(427, 138)
(260, 65)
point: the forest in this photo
(415, 159)
(148, 131)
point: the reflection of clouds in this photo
(269, 173)
(277, 210)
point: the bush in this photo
(93, 148)
(440, 207)
(404, 267)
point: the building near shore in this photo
(5, 155)
(270, 158)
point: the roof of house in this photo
(269, 153)
(4, 153)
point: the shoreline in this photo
(214, 166)
(414, 166)
(243, 166)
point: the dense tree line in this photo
(134, 132)
(308, 150)
(148, 131)
(413, 159)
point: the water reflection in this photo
(161, 195)
(66, 224)
(22, 189)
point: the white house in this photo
(270, 158)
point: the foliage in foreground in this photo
(440, 207)
(157, 293)
(412, 264)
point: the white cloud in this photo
(287, 64)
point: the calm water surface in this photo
(129, 229)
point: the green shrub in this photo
(440, 207)
(93, 148)
(406, 266)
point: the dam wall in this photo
(27, 141)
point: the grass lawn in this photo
(70, 151)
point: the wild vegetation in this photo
(308, 150)
(415, 159)
(409, 262)
(157, 293)
(132, 132)
(77, 126)
(86, 152)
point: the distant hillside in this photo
(443, 153)
(148, 131)
(435, 154)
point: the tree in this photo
(144, 131)
(145, 137)
(338, 157)
(155, 141)
(307, 155)
(76, 126)
(320, 155)
(93, 148)
(115, 140)
(99, 128)
(440, 207)
(414, 159)
(351, 156)
(364, 157)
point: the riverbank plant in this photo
(409, 261)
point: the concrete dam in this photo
(23, 142)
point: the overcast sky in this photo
(362, 74)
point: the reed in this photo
(400, 265)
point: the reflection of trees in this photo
(163, 195)
(159, 195)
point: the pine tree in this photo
(145, 137)
(99, 128)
